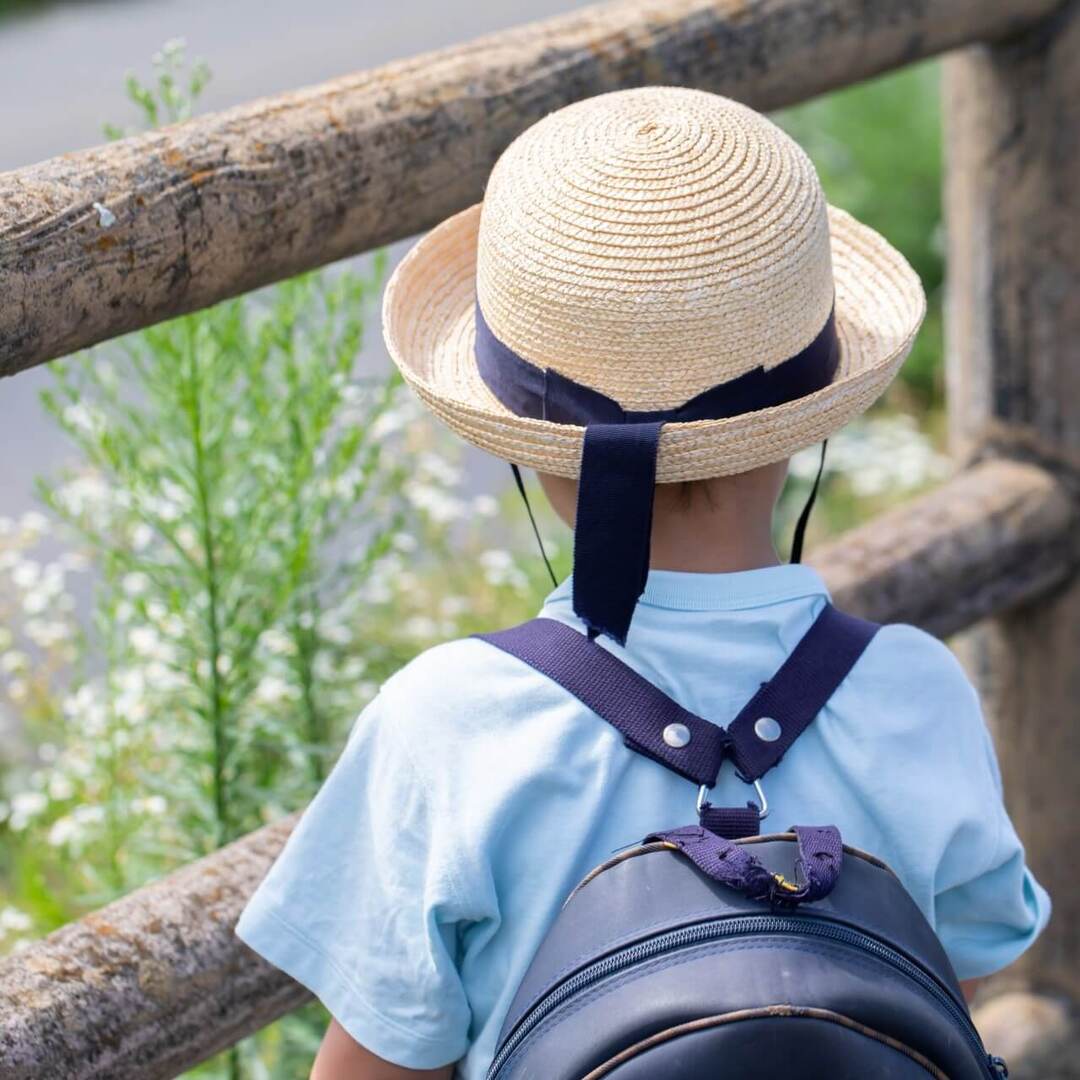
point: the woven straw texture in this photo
(652, 243)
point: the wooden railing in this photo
(107, 240)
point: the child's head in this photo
(654, 291)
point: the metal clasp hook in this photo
(763, 803)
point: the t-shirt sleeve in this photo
(362, 906)
(988, 907)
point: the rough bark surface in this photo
(99, 242)
(149, 985)
(156, 982)
(999, 533)
(1013, 204)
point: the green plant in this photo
(877, 148)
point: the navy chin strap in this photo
(617, 481)
(613, 524)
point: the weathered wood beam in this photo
(156, 982)
(151, 984)
(1013, 329)
(103, 241)
(1000, 533)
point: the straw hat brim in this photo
(428, 323)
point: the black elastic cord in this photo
(804, 517)
(536, 531)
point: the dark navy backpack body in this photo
(709, 952)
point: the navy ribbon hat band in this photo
(618, 465)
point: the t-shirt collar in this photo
(685, 591)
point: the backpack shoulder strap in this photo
(652, 723)
(798, 691)
(619, 695)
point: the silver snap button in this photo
(767, 729)
(677, 735)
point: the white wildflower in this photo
(420, 627)
(152, 805)
(454, 606)
(135, 584)
(12, 920)
(144, 641)
(36, 601)
(61, 787)
(13, 662)
(88, 814)
(272, 690)
(500, 569)
(353, 668)
(81, 417)
(33, 524)
(439, 505)
(26, 806)
(276, 641)
(141, 536)
(86, 711)
(173, 625)
(188, 539)
(485, 505)
(26, 574)
(335, 631)
(390, 422)
(45, 633)
(64, 832)
(87, 494)
(439, 469)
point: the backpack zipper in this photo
(731, 927)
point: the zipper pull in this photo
(999, 1067)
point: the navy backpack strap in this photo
(619, 695)
(654, 725)
(786, 705)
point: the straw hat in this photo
(651, 244)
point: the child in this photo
(654, 309)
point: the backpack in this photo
(710, 952)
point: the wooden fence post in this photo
(1013, 343)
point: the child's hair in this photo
(690, 490)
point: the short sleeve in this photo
(989, 908)
(362, 906)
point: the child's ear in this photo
(561, 492)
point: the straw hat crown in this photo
(653, 243)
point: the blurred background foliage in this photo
(267, 532)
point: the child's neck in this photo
(713, 537)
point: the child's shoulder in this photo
(466, 683)
(902, 655)
(911, 683)
(905, 650)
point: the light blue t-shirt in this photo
(474, 793)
